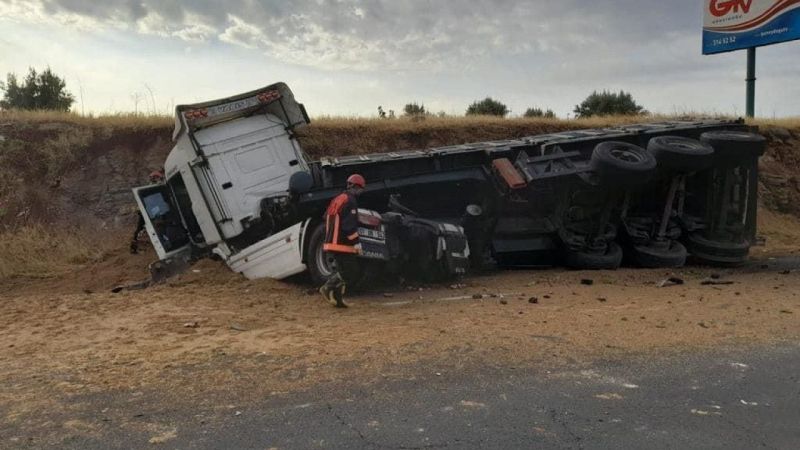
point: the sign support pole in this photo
(750, 81)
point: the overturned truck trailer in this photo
(239, 186)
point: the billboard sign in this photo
(736, 24)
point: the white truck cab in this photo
(230, 155)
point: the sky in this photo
(347, 57)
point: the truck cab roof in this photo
(276, 99)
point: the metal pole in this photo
(751, 82)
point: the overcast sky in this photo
(346, 57)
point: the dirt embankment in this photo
(79, 171)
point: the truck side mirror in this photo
(300, 182)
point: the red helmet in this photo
(357, 180)
(156, 175)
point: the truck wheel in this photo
(611, 259)
(734, 146)
(321, 265)
(681, 154)
(672, 255)
(717, 253)
(621, 163)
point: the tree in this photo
(487, 107)
(537, 112)
(44, 90)
(413, 109)
(607, 103)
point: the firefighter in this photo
(341, 240)
(156, 176)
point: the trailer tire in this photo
(681, 154)
(717, 253)
(653, 257)
(732, 147)
(623, 164)
(611, 259)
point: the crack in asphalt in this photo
(361, 435)
(563, 424)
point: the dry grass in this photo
(131, 120)
(119, 120)
(36, 252)
(787, 122)
(782, 231)
(349, 136)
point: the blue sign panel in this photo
(736, 24)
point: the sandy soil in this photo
(210, 333)
(210, 336)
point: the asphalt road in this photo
(724, 399)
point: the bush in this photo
(44, 90)
(487, 107)
(413, 109)
(537, 112)
(608, 103)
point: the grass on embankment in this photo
(34, 251)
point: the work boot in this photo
(327, 294)
(338, 295)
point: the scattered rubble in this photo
(671, 281)
(237, 327)
(715, 282)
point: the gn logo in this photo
(720, 8)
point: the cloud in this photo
(547, 53)
(380, 34)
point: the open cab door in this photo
(162, 220)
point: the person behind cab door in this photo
(341, 240)
(156, 176)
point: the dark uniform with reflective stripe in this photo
(341, 238)
(341, 224)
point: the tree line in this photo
(47, 91)
(602, 103)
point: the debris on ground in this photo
(237, 327)
(715, 282)
(671, 281)
(192, 324)
(533, 300)
(587, 281)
